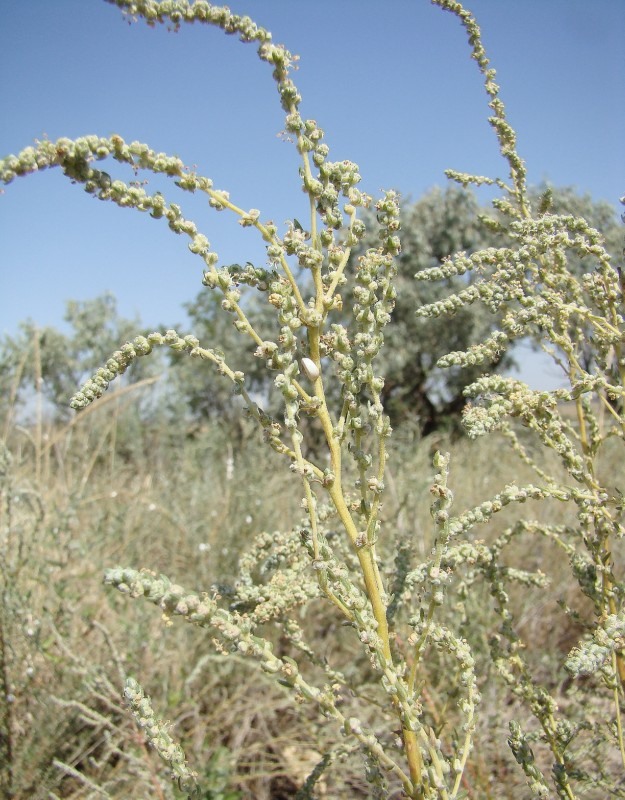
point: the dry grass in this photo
(109, 490)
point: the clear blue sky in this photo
(390, 82)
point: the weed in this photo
(404, 686)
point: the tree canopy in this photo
(416, 390)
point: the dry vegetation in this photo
(107, 489)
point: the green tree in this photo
(200, 393)
(439, 224)
(54, 363)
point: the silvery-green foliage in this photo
(158, 735)
(436, 226)
(552, 280)
(433, 228)
(333, 563)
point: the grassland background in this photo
(109, 489)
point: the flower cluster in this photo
(595, 655)
(158, 735)
(179, 11)
(121, 359)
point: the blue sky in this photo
(390, 82)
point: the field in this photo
(108, 489)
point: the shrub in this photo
(406, 615)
